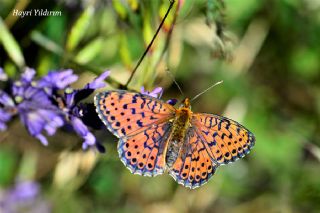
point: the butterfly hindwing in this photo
(142, 153)
(194, 166)
(225, 139)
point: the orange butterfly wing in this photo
(141, 123)
(194, 166)
(210, 141)
(142, 153)
(225, 139)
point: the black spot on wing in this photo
(139, 123)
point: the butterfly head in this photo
(186, 103)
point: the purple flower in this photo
(31, 100)
(6, 105)
(24, 196)
(41, 119)
(82, 130)
(156, 93)
(24, 191)
(98, 82)
(35, 108)
(57, 80)
(43, 108)
(28, 75)
(75, 111)
(4, 118)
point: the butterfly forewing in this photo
(127, 113)
(225, 139)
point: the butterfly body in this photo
(155, 137)
(177, 136)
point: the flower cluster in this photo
(43, 107)
(49, 103)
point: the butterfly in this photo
(155, 137)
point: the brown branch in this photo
(150, 44)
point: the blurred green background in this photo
(267, 53)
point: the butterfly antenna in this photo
(175, 82)
(206, 90)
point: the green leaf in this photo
(120, 8)
(147, 28)
(10, 69)
(46, 43)
(241, 9)
(28, 166)
(7, 165)
(90, 51)
(305, 62)
(11, 46)
(124, 50)
(79, 28)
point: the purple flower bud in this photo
(69, 95)
(28, 75)
(4, 116)
(79, 127)
(5, 110)
(53, 125)
(99, 81)
(156, 93)
(172, 101)
(42, 139)
(3, 75)
(90, 140)
(58, 80)
(83, 131)
(5, 99)
(73, 97)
